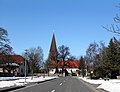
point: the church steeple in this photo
(53, 44)
(53, 51)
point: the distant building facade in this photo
(12, 65)
(71, 66)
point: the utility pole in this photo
(25, 63)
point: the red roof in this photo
(15, 58)
(18, 59)
(67, 64)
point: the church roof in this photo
(67, 64)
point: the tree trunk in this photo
(56, 71)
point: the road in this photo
(64, 84)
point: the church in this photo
(56, 66)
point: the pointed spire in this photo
(53, 50)
(53, 44)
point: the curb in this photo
(6, 89)
(45, 80)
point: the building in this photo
(53, 54)
(71, 66)
(12, 65)
(56, 65)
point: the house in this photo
(12, 65)
(71, 66)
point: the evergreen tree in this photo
(110, 60)
(117, 43)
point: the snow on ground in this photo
(113, 85)
(20, 81)
(8, 78)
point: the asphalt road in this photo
(64, 84)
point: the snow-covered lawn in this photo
(20, 81)
(113, 85)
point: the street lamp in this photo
(25, 62)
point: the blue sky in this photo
(76, 23)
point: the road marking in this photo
(64, 81)
(53, 91)
(60, 84)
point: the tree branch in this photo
(113, 29)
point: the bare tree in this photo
(6, 62)
(91, 53)
(63, 53)
(71, 57)
(114, 28)
(35, 58)
(5, 48)
(3, 36)
(95, 53)
(82, 66)
(47, 63)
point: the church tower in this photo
(53, 52)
